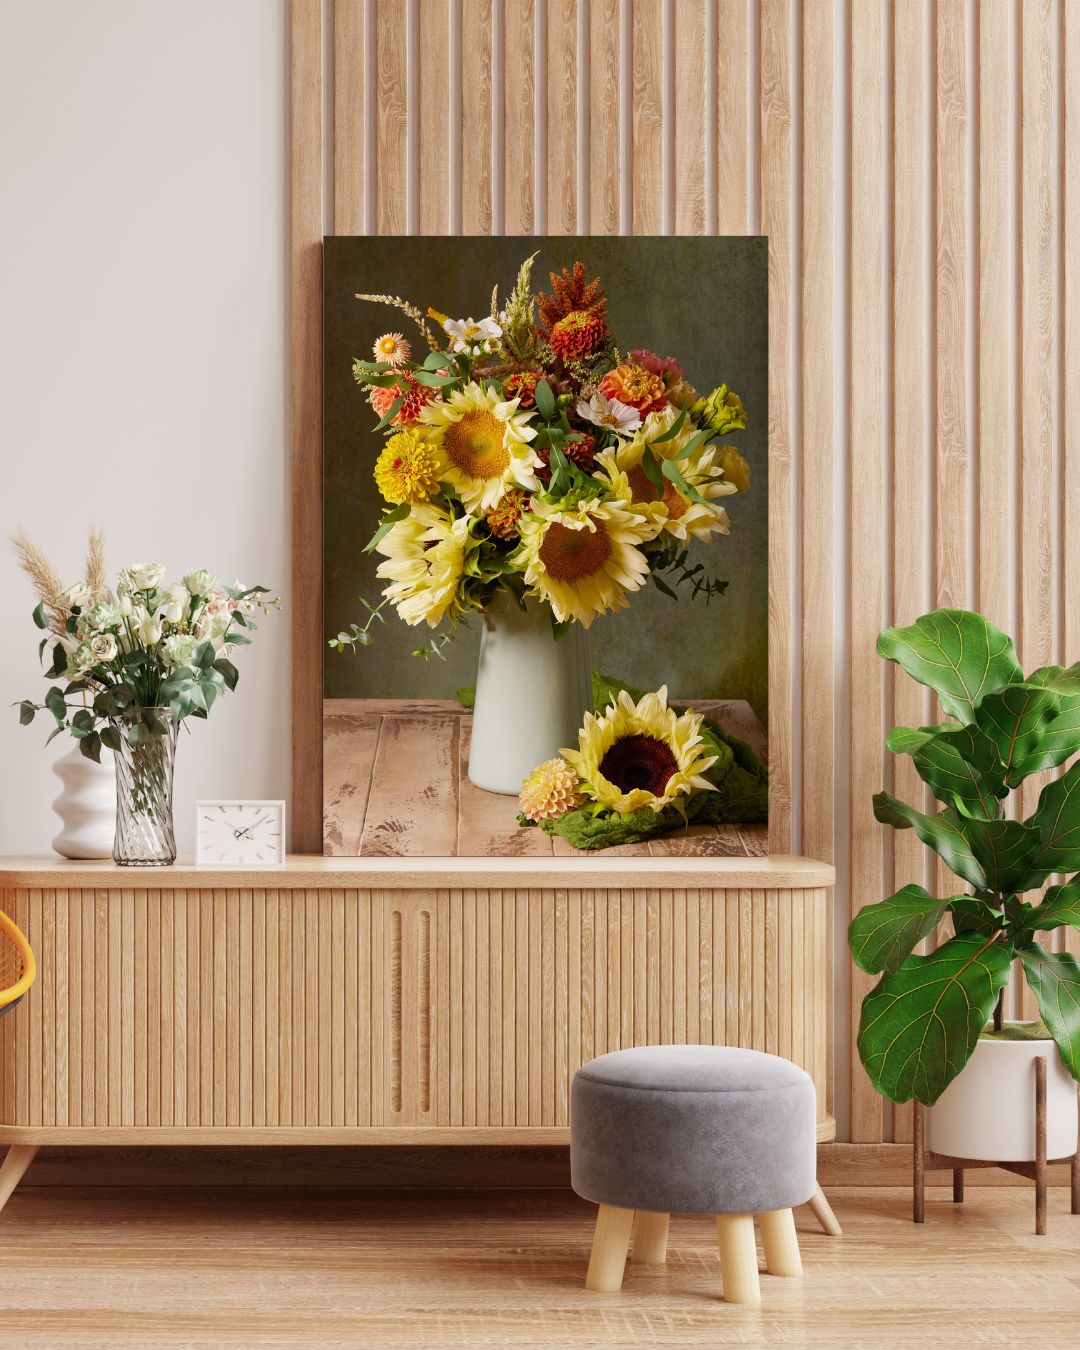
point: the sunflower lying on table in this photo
(642, 769)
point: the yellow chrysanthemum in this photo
(620, 468)
(408, 468)
(426, 558)
(392, 349)
(635, 755)
(584, 560)
(550, 791)
(484, 441)
(736, 470)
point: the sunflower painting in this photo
(545, 507)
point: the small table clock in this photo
(240, 834)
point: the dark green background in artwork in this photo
(701, 300)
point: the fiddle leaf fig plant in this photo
(922, 1019)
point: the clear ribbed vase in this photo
(144, 791)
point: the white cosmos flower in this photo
(609, 413)
(469, 333)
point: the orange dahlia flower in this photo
(522, 386)
(417, 396)
(635, 386)
(580, 333)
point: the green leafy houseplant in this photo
(922, 1020)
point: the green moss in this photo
(1016, 1031)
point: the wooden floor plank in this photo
(202, 1268)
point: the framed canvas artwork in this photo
(545, 552)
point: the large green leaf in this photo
(1016, 720)
(920, 1025)
(944, 833)
(1060, 905)
(1004, 849)
(959, 764)
(1055, 979)
(1057, 818)
(959, 654)
(884, 935)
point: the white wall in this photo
(143, 343)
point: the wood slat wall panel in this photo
(940, 405)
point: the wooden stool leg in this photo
(650, 1238)
(738, 1258)
(17, 1160)
(957, 1185)
(781, 1242)
(1075, 1169)
(822, 1211)
(610, 1243)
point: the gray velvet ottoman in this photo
(695, 1129)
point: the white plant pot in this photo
(86, 806)
(988, 1111)
(531, 694)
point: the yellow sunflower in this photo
(640, 754)
(426, 558)
(484, 441)
(584, 560)
(620, 468)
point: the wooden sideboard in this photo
(369, 1000)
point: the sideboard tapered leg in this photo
(13, 1169)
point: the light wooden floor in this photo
(205, 1268)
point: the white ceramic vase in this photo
(988, 1110)
(86, 806)
(531, 694)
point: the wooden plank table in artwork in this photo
(396, 784)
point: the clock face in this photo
(241, 833)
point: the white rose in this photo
(104, 648)
(200, 581)
(75, 597)
(146, 576)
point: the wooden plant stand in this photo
(924, 1158)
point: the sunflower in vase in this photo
(537, 474)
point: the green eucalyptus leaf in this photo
(920, 1024)
(40, 621)
(204, 655)
(1054, 978)
(56, 704)
(944, 833)
(883, 936)
(27, 711)
(91, 747)
(227, 671)
(959, 654)
(59, 663)
(110, 737)
(545, 400)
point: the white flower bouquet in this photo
(125, 656)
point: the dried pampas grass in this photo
(47, 583)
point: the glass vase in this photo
(532, 691)
(144, 790)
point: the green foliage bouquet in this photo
(922, 1020)
(123, 656)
